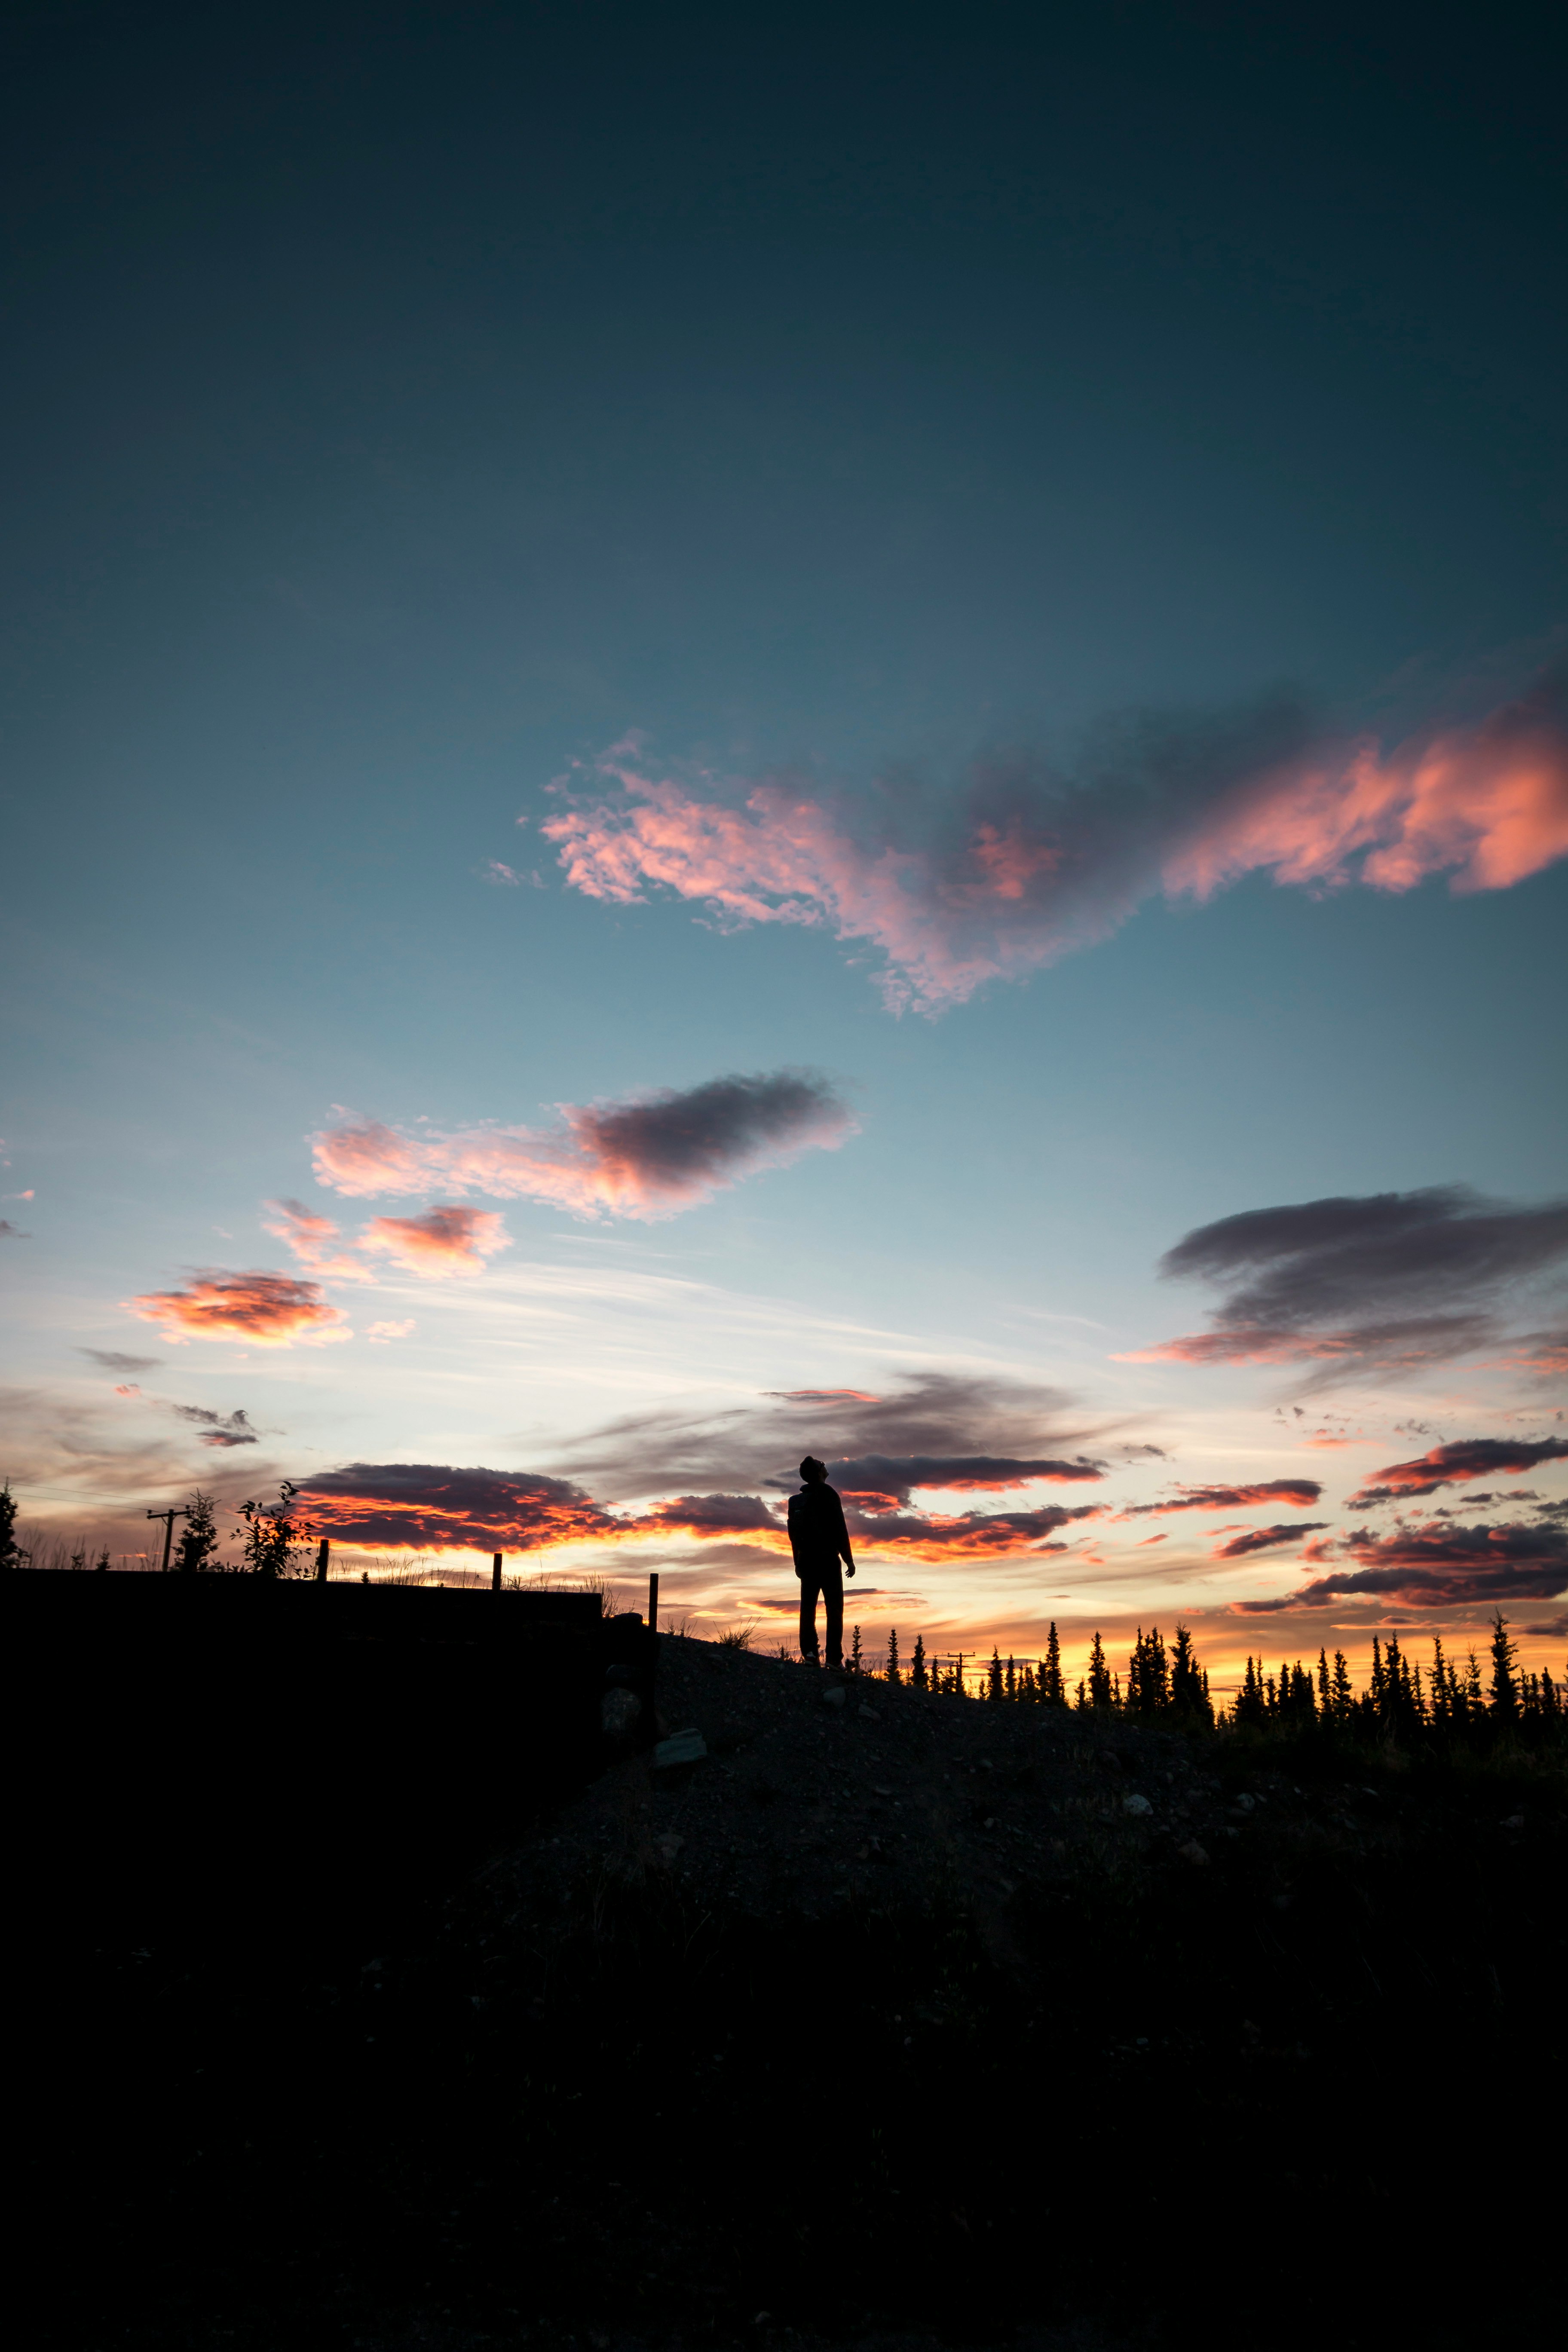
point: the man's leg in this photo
(807, 1614)
(832, 1612)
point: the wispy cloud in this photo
(962, 1536)
(879, 1481)
(647, 1157)
(925, 1418)
(440, 1241)
(315, 1241)
(1024, 864)
(1447, 1465)
(380, 1334)
(110, 1359)
(1300, 1492)
(219, 1429)
(1256, 1539)
(257, 1309)
(1341, 1284)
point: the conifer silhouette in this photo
(919, 1679)
(1099, 1686)
(1505, 1685)
(1053, 1690)
(10, 1556)
(1189, 1695)
(893, 1673)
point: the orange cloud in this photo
(431, 1507)
(440, 1241)
(262, 1310)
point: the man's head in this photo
(811, 1470)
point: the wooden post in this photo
(168, 1518)
(324, 1551)
(495, 1572)
(653, 1603)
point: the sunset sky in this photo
(731, 732)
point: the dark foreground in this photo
(868, 2029)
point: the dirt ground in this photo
(819, 1791)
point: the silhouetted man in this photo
(820, 1540)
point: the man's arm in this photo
(845, 1554)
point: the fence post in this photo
(323, 1551)
(495, 1572)
(653, 1603)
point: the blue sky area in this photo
(915, 417)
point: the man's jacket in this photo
(816, 1528)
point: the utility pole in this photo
(495, 1572)
(324, 1553)
(168, 1518)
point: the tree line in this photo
(1169, 1685)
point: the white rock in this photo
(1136, 1805)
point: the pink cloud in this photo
(380, 1333)
(1021, 868)
(441, 1241)
(259, 1309)
(1487, 805)
(649, 1156)
(315, 1242)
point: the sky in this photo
(730, 733)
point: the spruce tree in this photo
(1053, 1690)
(994, 1677)
(1505, 1685)
(199, 1537)
(856, 1662)
(1343, 1696)
(1439, 1703)
(10, 1556)
(1099, 1675)
(1189, 1693)
(1474, 1705)
(919, 1679)
(893, 1673)
(1250, 1704)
